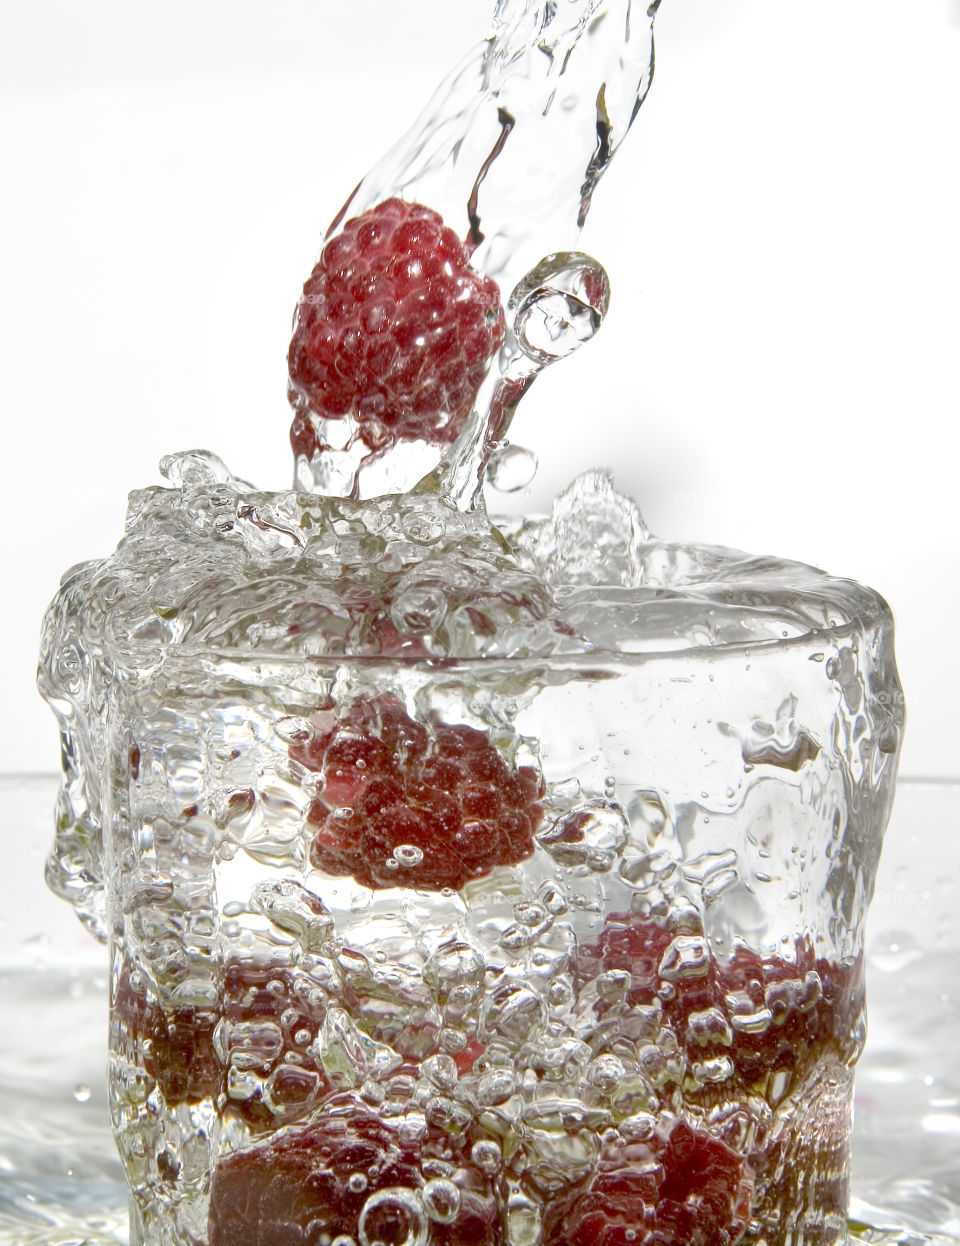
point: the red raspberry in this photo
(687, 1189)
(402, 806)
(317, 1182)
(176, 1045)
(767, 1014)
(394, 329)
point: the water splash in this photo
(509, 152)
(553, 310)
(514, 141)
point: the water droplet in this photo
(196, 467)
(82, 1092)
(559, 305)
(511, 468)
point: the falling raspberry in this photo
(687, 1189)
(393, 329)
(350, 1174)
(399, 805)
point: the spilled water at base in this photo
(61, 1183)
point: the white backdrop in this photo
(778, 371)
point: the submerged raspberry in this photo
(687, 1189)
(394, 329)
(348, 1174)
(262, 1011)
(765, 1015)
(399, 805)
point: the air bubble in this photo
(593, 835)
(453, 965)
(687, 956)
(82, 1092)
(514, 1011)
(419, 608)
(441, 1070)
(408, 854)
(423, 525)
(441, 1200)
(291, 907)
(487, 1156)
(605, 1074)
(638, 1128)
(393, 1216)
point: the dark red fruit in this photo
(394, 329)
(766, 1014)
(314, 1183)
(177, 1045)
(401, 805)
(686, 1189)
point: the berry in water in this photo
(771, 1017)
(394, 329)
(685, 1189)
(349, 1174)
(263, 1011)
(400, 804)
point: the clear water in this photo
(684, 746)
(189, 797)
(60, 1179)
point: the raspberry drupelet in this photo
(399, 805)
(394, 329)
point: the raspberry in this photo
(399, 805)
(317, 1182)
(393, 329)
(178, 1045)
(768, 1015)
(686, 1189)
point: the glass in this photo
(498, 950)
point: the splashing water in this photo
(509, 153)
(558, 305)
(437, 845)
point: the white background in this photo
(779, 370)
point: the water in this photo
(464, 882)
(464, 879)
(61, 1181)
(509, 152)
